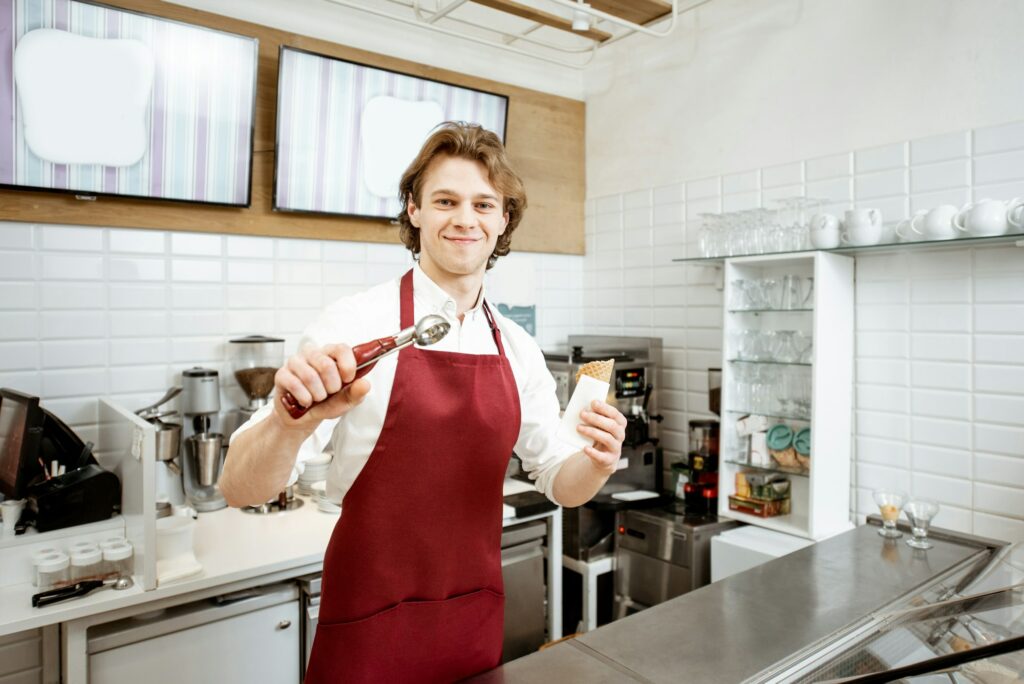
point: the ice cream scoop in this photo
(429, 330)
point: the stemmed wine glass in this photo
(889, 505)
(920, 512)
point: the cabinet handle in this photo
(284, 624)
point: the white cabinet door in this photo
(259, 646)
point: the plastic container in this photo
(118, 559)
(763, 508)
(112, 541)
(86, 563)
(38, 555)
(52, 571)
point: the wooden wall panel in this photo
(545, 139)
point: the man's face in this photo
(459, 218)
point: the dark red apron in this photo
(412, 588)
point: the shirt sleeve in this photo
(541, 452)
(324, 330)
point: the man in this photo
(412, 588)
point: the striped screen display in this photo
(345, 131)
(197, 143)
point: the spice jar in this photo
(37, 556)
(86, 563)
(118, 559)
(52, 571)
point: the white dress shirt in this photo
(375, 313)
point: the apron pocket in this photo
(414, 641)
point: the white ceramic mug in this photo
(982, 218)
(936, 224)
(824, 231)
(905, 230)
(862, 227)
(1015, 215)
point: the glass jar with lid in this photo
(86, 563)
(118, 559)
(52, 571)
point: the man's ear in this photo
(412, 211)
(504, 223)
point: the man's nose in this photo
(465, 216)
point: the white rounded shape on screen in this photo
(392, 132)
(84, 100)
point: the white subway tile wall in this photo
(88, 312)
(939, 408)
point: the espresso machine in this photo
(203, 455)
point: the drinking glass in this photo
(737, 297)
(802, 395)
(920, 512)
(808, 298)
(784, 349)
(889, 505)
(803, 344)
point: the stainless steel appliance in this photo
(522, 570)
(204, 449)
(659, 555)
(588, 529)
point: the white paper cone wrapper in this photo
(587, 390)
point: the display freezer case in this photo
(966, 625)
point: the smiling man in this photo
(412, 588)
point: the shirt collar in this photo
(434, 298)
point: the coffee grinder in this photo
(254, 361)
(203, 457)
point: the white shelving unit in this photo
(820, 506)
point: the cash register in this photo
(44, 461)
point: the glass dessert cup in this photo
(889, 505)
(920, 513)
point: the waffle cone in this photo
(599, 370)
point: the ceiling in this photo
(536, 28)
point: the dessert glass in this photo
(889, 505)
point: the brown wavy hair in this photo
(467, 141)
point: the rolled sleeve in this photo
(541, 452)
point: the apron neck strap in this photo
(408, 315)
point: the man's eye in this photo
(487, 206)
(444, 202)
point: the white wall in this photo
(329, 21)
(900, 106)
(743, 84)
(88, 312)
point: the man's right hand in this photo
(313, 375)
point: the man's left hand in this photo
(607, 427)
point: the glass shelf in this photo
(1016, 238)
(770, 363)
(802, 419)
(757, 311)
(800, 472)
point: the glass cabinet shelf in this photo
(757, 311)
(802, 419)
(1016, 238)
(771, 363)
(800, 472)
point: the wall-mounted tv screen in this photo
(101, 101)
(347, 131)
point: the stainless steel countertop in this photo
(733, 629)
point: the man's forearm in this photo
(578, 480)
(259, 463)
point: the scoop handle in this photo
(366, 355)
